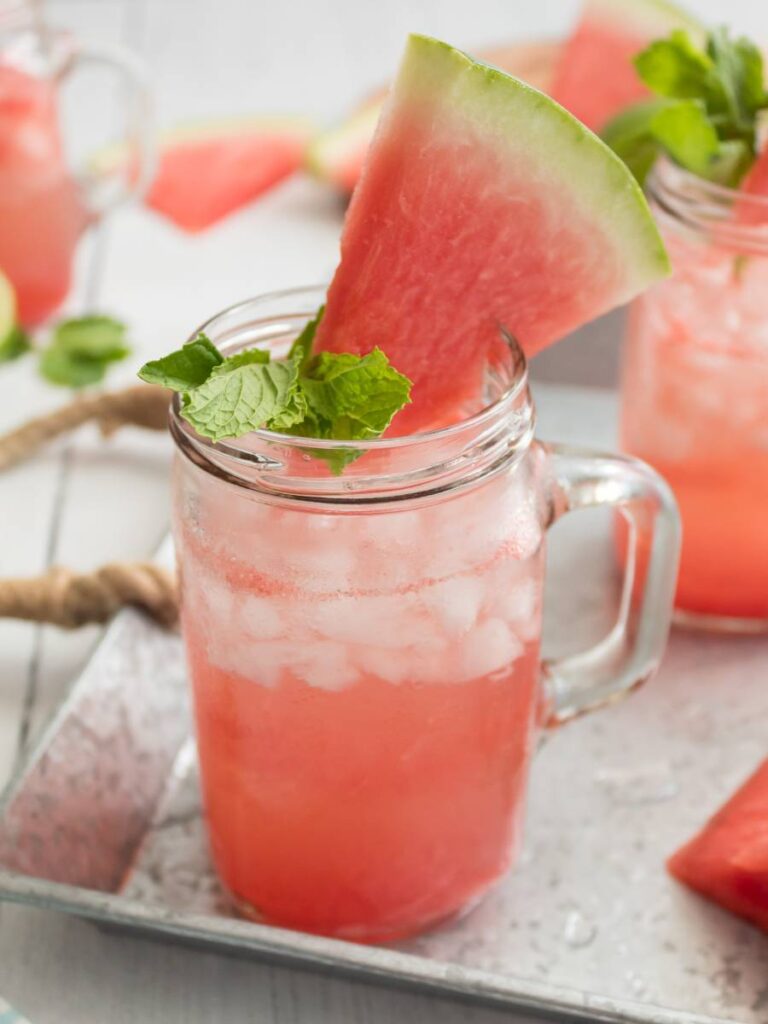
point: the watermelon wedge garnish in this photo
(728, 860)
(482, 204)
(207, 170)
(754, 187)
(595, 77)
(337, 154)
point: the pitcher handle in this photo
(632, 650)
(124, 169)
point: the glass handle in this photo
(631, 652)
(125, 168)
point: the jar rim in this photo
(708, 207)
(500, 430)
(518, 384)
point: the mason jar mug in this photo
(695, 392)
(364, 646)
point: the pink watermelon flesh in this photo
(481, 204)
(595, 77)
(728, 860)
(755, 187)
(203, 178)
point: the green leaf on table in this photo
(236, 400)
(187, 367)
(69, 370)
(14, 344)
(82, 349)
(93, 337)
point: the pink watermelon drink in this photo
(366, 693)
(696, 392)
(41, 216)
(364, 644)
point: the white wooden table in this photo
(85, 501)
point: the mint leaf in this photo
(14, 345)
(707, 115)
(630, 136)
(294, 412)
(677, 69)
(337, 459)
(732, 162)
(336, 396)
(354, 397)
(234, 401)
(100, 338)
(301, 349)
(739, 66)
(81, 350)
(188, 367)
(70, 370)
(685, 131)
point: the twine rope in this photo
(60, 596)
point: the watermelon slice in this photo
(728, 860)
(482, 203)
(337, 155)
(755, 187)
(595, 77)
(207, 170)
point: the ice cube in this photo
(324, 665)
(384, 663)
(261, 662)
(489, 647)
(390, 621)
(259, 617)
(455, 601)
(324, 567)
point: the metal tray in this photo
(104, 819)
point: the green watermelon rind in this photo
(331, 147)
(586, 171)
(651, 18)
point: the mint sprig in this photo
(81, 350)
(705, 117)
(336, 396)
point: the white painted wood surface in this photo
(85, 501)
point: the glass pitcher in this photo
(364, 647)
(44, 206)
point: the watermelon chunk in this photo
(337, 154)
(595, 77)
(728, 860)
(208, 170)
(482, 203)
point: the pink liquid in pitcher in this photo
(366, 694)
(41, 216)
